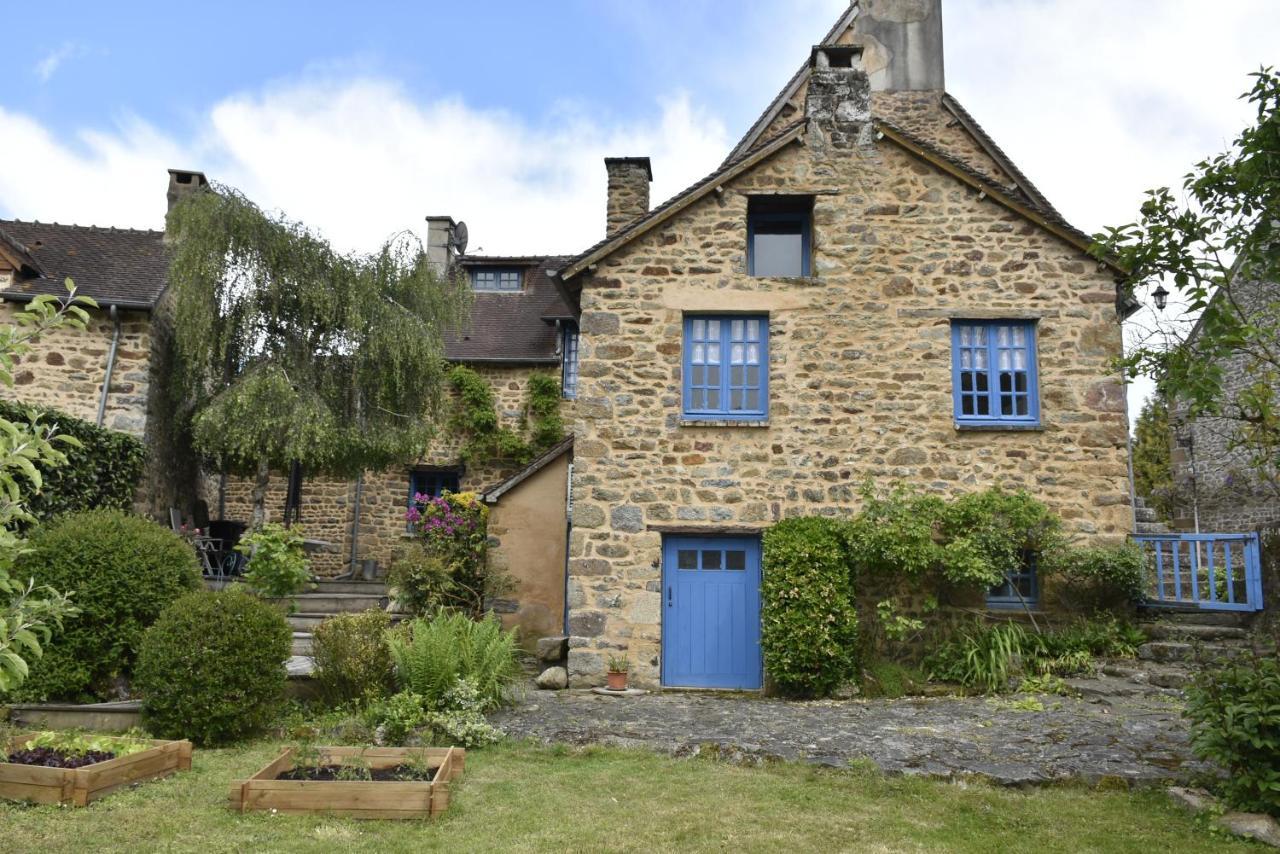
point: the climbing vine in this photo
(484, 437)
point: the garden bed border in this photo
(80, 786)
(356, 798)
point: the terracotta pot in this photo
(617, 680)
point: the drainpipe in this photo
(355, 524)
(111, 364)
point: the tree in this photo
(287, 350)
(1219, 246)
(1152, 472)
(28, 614)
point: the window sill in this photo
(996, 427)
(724, 422)
(790, 280)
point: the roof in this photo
(512, 327)
(678, 202)
(493, 493)
(116, 266)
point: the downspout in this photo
(355, 524)
(111, 363)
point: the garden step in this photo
(1197, 616)
(305, 621)
(300, 666)
(338, 603)
(1166, 651)
(1194, 631)
(1104, 688)
(1175, 676)
(301, 643)
(369, 588)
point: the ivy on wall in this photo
(101, 471)
(484, 437)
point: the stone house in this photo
(866, 288)
(1217, 488)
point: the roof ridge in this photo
(102, 229)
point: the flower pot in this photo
(616, 680)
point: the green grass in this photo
(519, 797)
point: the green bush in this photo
(277, 565)
(447, 566)
(212, 667)
(1235, 723)
(1109, 577)
(432, 655)
(988, 533)
(895, 533)
(810, 625)
(100, 472)
(353, 660)
(982, 657)
(456, 719)
(121, 572)
(420, 581)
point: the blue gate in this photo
(711, 612)
(1214, 571)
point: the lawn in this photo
(520, 797)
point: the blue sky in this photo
(360, 119)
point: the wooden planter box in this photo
(79, 786)
(354, 799)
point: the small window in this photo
(726, 366)
(569, 361)
(506, 279)
(994, 372)
(431, 484)
(778, 236)
(1020, 588)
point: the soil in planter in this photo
(332, 773)
(50, 758)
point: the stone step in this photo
(1151, 527)
(338, 603)
(1175, 676)
(300, 667)
(1194, 631)
(1145, 514)
(1167, 651)
(370, 588)
(301, 643)
(1104, 688)
(1197, 616)
(304, 621)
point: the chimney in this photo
(440, 242)
(629, 180)
(838, 102)
(182, 183)
(902, 44)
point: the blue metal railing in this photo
(1213, 571)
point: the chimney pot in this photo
(629, 180)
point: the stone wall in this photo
(66, 368)
(860, 376)
(328, 503)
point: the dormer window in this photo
(502, 279)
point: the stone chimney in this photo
(440, 242)
(629, 180)
(838, 102)
(902, 44)
(183, 183)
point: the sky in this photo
(363, 119)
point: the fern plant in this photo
(432, 655)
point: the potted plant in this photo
(617, 675)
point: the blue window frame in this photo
(993, 372)
(569, 361)
(505, 279)
(1021, 586)
(778, 241)
(432, 483)
(726, 367)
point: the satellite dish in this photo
(460, 238)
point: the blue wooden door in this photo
(711, 612)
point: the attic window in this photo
(502, 279)
(778, 235)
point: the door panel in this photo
(711, 612)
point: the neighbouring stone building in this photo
(866, 288)
(1217, 486)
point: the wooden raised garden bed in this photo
(79, 786)
(354, 798)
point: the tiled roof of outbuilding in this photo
(116, 266)
(512, 327)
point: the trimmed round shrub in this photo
(353, 660)
(810, 624)
(121, 572)
(212, 667)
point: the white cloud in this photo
(360, 160)
(51, 61)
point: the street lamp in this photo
(1161, 297)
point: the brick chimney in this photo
(629, 180)
(838, 102)
(182, 183)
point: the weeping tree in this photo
(286, 350)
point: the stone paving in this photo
(1135, 740)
